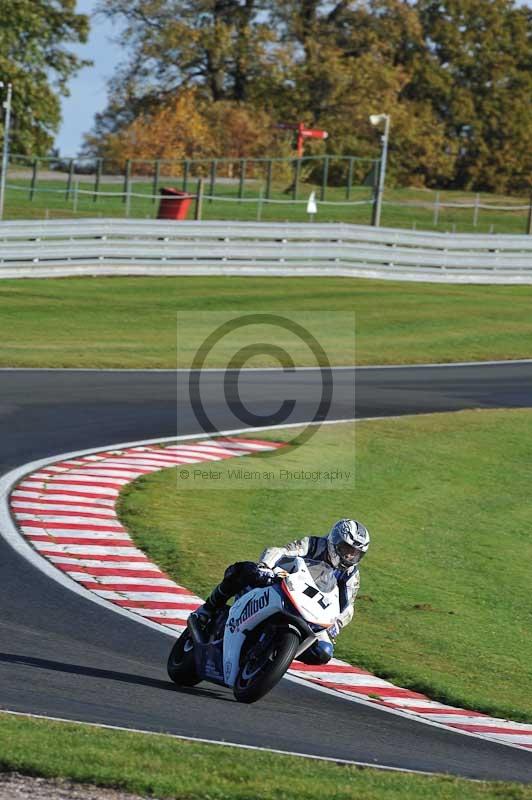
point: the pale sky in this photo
(88, 93)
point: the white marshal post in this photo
(5, 150)
(312, 207)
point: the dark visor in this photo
(348, 552)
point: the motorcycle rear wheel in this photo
(258, 676)
(181, 666)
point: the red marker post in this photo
(307, 133)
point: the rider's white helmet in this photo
(347, 542)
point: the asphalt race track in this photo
(63, 656)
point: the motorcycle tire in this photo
(254, 680)
(181, 666)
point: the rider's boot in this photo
(236, 577)
(217, 599)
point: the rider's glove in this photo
(264, 576)
(334, 630)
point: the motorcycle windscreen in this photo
(322, 574)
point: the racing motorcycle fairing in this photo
(246, 613)
(306, 599)
(208, 651)
(250, 645)
(313, 590)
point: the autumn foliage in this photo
(187, 128)
(175, 130)
(214, 79)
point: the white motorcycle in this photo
(249, 646)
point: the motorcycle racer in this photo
(343, 548)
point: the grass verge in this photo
(445, 603)
(157, 765)
(132, 322)
(50, 200)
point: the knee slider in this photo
(318, 653)
(324, 652)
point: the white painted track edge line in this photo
(10, 532)
(26, 469)
(181, 737)
(412, 716)
(493, 362)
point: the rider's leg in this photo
(320, 652)
(236, 578)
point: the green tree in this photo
(454, 75)
(354, 59)
(480, 83)
(218, 45)
(34, 57)
(223, 48)
(175, 130)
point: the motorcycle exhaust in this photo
(195, 630)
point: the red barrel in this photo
(174, 204)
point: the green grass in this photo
(164, 767)
(50, 201)
(132, 322)
(445, 603)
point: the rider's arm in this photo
(347, 599)
(272, 555)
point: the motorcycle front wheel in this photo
(181, 664)
(265, 663)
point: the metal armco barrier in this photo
(125, 247)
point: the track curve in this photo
(62, 656)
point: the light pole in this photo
(376, 119)
(5, 151)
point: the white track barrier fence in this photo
(150, 247)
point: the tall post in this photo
(97, 179)
(436, 217)
(199, 200)
(529, 224)
(377, 204)
(269, 179)
(242, 178)
(5, 150)
(212, 184)
(350, 178)
(325, 177)
(69, 179)
(33, 178)
(127, 181)
(259, 204)
(186, 170)
(156, 177)
(127, 198)
(297, 175)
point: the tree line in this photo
(35, 56)
(211, 78)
